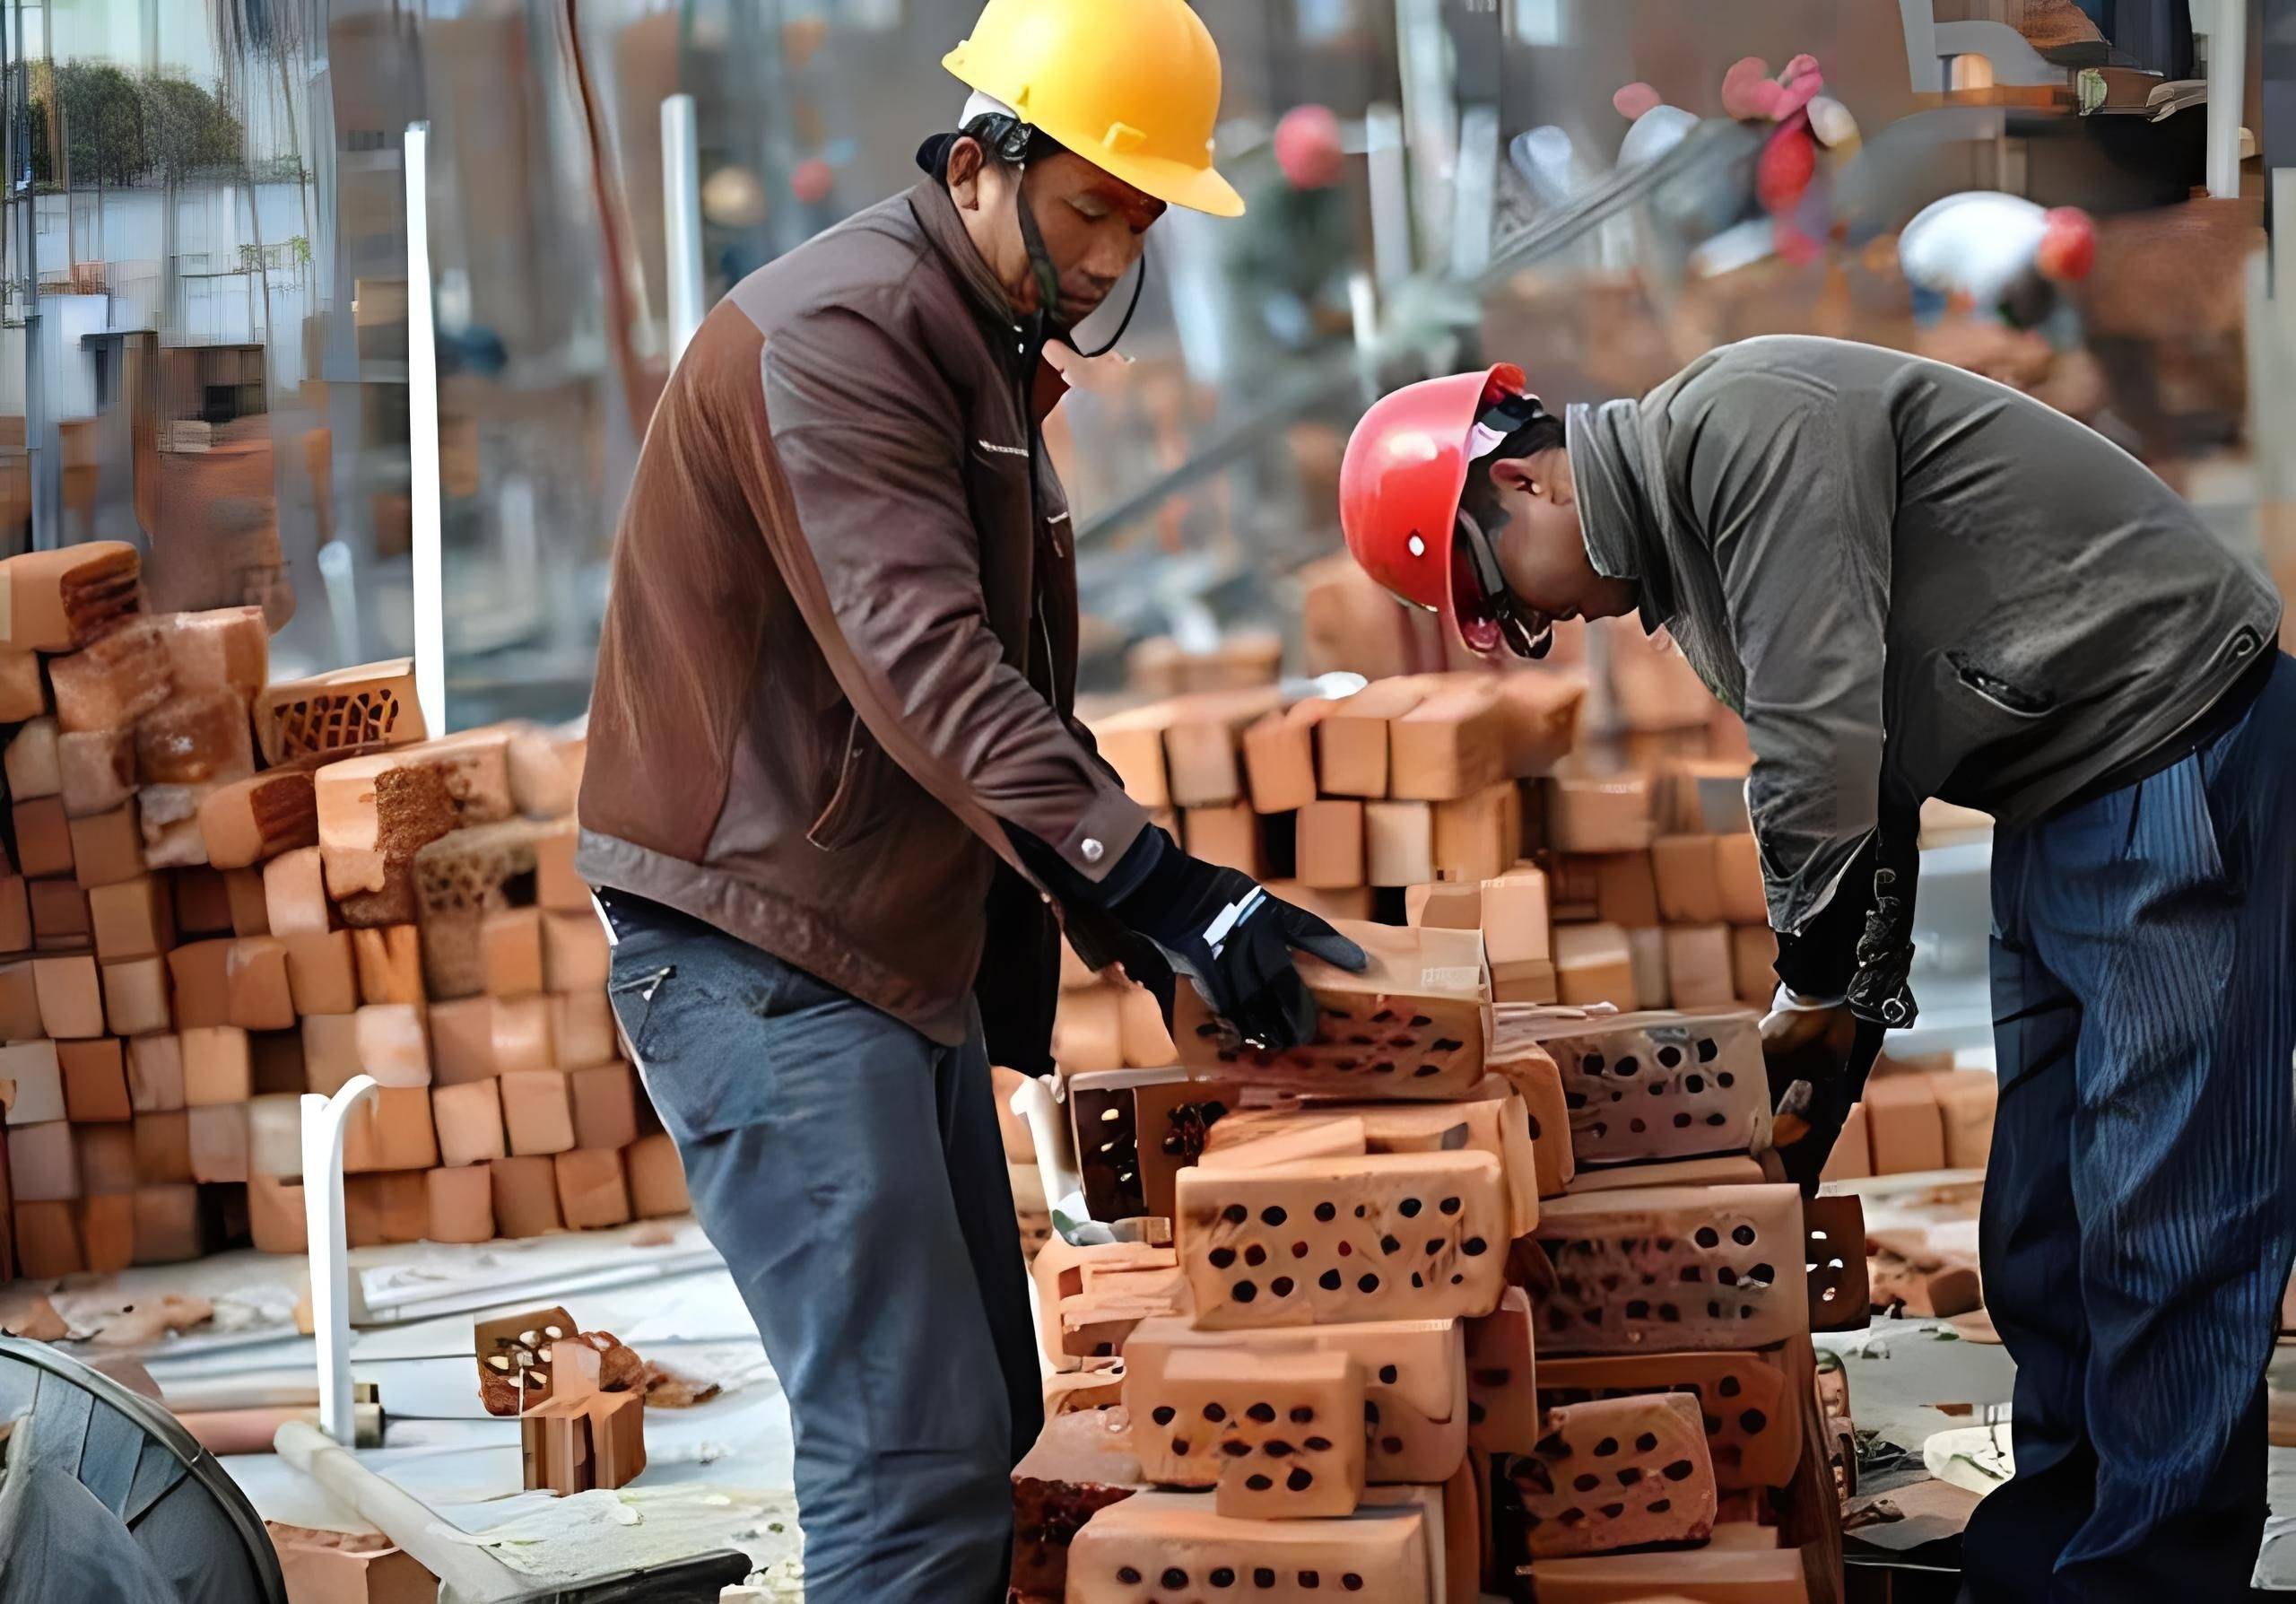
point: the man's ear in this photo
(964, 172)
(1514, 472)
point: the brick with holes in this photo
(1280, 1435)
(348, 710)
(1383, 1236)
(1748, 1403)
(1415, 1023)
(1135, 1130)
(1648, 1086)
(1615, 1473)
(1502, 1378)
(1492, 1118)
(1674, 1269)
(1175, 1545)
(1840, 1297)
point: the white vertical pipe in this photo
(324, 1119)
(422, 427)
(681, 218)
(2228, 78)
(1391, 253)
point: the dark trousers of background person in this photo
(2136, 1230)
(851, 1174)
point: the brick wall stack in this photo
(224, 893)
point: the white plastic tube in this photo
(681, 219)
(324, 1119)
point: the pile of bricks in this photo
(1543, 1259)
(1455, 1298)
(225, 892)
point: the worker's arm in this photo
(1797, 487)
(884, 557)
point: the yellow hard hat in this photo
(1133, 86)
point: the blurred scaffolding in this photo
(206, 314)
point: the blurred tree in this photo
(121, 129)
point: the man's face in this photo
(1540, 547)
(1093, 225)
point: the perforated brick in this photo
(1616, 1473)
(1280, 1435)
(1384, 1236)
(1174, 1548)
(345, 712)
(1643, 1086)
(1502, 1378)
(1674, 1269)
(1415, 1023)
(1747, 1403)
(1415, 1387)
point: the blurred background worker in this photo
(834, 764)
(1913, 582)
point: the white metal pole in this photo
(324, 1119)
(681, 219)
(422, 426)
(2228, 78)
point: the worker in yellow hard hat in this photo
(838, 808)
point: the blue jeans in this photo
(851, 1174)
(2136, 1233)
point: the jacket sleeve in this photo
(1797, 487)
(880, 546)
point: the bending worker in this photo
(1913, 582)
(836, 796)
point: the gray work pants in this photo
(851, 1174)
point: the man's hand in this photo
(1805, 1048)
(1234, 941)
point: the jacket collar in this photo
(1616, 514)
(936, 214)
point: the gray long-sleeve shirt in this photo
(1911, 582)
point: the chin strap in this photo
(1047, 280)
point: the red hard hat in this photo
(1400, 486)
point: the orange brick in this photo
(219, 1141)
(275, 1216)
(592, 1192)
(106, 847)
(59, 911)
(461, 1204)
(469, 1120)
(322, 973)
(575, 956)
(71, 997)
(135, 919)
(95, 1082)
(255, 980)
(525, 1197)
(537, 1112)
(135, 997)
(201, 971)
(656, 1177)
(216, 1066)
(605, 1104)
(510, 951)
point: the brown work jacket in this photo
(840, 651)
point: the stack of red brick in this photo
(226, 893)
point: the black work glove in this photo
(1806, 1052)
(1234, 941)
